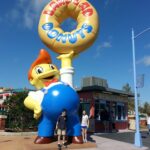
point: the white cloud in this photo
(28, 21)
(104, 45)
(145, 60)
(26, 13)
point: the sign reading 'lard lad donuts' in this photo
(77, 40)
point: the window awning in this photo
(7, 94)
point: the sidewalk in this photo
(122, 140)
(109, 144)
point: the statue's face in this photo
(42, 74)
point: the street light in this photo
(137, 139)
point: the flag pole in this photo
(137, 139)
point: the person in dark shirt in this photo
(61, 127)
(105, 119)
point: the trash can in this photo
(132, 124)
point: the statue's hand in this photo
(37, 111)
(66, 59)
(34, 105)
(65, 56)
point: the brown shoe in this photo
(43, 140)
(77, 140)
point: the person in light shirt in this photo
(148, 123)
(84, 125)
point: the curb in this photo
(17, 133)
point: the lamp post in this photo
(137, 139)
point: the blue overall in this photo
(58, 97)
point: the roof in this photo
(16, 91)
(21, 90)
(105, 90)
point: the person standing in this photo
(105, 119)
(112, 120)
(61, 127)
(84, 125)
(148, 123)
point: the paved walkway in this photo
(123, 140)
(110, 141)
(104, 143)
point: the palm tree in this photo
(127, 88)
(146, 108)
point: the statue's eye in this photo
(39, 70)
(52, 66)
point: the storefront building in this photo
(95, 97)
(4, 94)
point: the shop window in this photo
(1, 97)
(121, 111)
(124, 109)
(101, 105)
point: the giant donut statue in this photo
(53, 96)
(64, 42)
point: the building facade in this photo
(97, 98)
(4, 94)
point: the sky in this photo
(110, 57)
